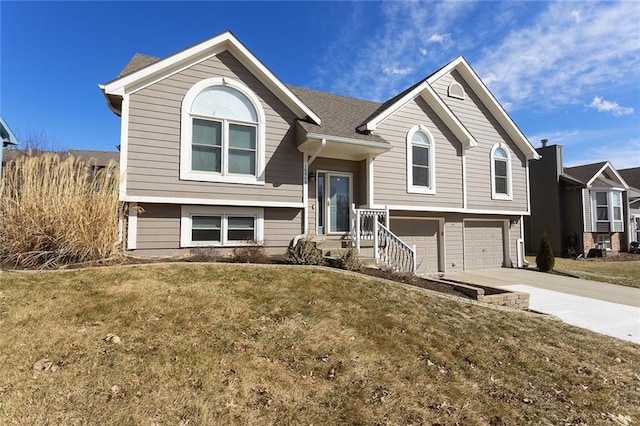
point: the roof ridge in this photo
(293, 86)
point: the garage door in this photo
(483, 244)
(422, 233)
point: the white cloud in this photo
(601, 105)
(621, 154)
(439, 38)
(556, 60)
(397, 71)
(423, 52)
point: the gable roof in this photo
(6, 135)
(482, 91)
(424, 89)
(145, 71)
(592, 173)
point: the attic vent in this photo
(456, 91)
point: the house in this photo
(632, 177)
(216, 150)
(579, 208)
(8, 139)
(96, 160)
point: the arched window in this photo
(420, 161)
(500, 172)
(222, 137)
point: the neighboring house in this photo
(579, 208)
(8, 139)
(632, 177)
(216, 150)
(95, 159)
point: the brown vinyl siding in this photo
(487, 131)
(153, 153)
(159, 227)
(390, 177)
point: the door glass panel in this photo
(339, 203)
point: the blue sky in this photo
(566, 71)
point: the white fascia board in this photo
(450, 210)
(211, 202)
(469, 75)
(449, 118)
(201, 51)
(434, 101)
(615, 172)
(350, 141)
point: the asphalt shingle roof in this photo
(137, 62)
(631, 176)
(583, 173)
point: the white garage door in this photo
(483, 244)
(422, 233)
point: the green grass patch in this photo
(625, 273)
(211, 344)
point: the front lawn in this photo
(238, 344)
(625, 273)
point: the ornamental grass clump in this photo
(56, 212)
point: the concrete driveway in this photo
(604, 308)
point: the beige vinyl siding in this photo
(280, 226)
(153, 152)
(586, 206)
(159, 227)
(390, 176)
(487, 131)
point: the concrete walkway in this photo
(604, 308)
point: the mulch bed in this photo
(415, 281)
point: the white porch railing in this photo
(363, 221)
(392, 251)
(388, 248)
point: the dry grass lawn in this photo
(625, 273)
(216, 344)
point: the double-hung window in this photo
(217, 226)
(420, 161)
(222, 137)
(500, 173)
(607, 206)
(602, 207)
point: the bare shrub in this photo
(305, 252)
(204, 254)
(250, 252)
(350, 260)
(54, 212)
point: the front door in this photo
(339, 202)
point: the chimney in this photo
(544, 142)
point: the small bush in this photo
(544, 259)
(204, 254)
(350, 260)
(251, 252)
(305, 252)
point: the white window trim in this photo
(186, 124)
(604, 244)
(594, 209)
(495, 195)
(417, 189)
(188, 211)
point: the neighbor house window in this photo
(500, 173)
(214, 226)
(420, 161)
(616, 201)
(222, 138)
(602, 207)
(603, 241)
